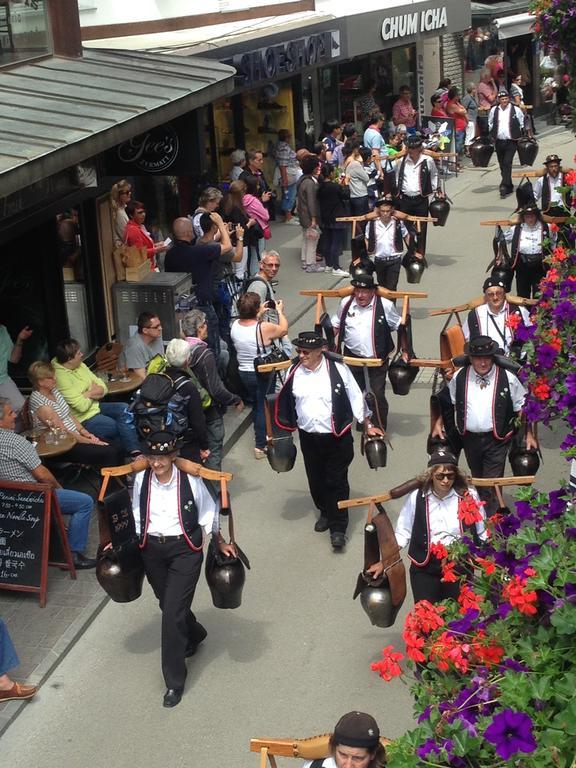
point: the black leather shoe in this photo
(338, 540)
(172, 697)
(321, 524)
(81, 562)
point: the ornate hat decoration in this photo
(502, 93)
(482, 346)
(160, 444)
(442, 456)
(552, 159)
(309, 340)
(414, 141)
(493, 282)
(363, 281)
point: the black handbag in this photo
(276, 354)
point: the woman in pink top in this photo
(403, 113)
(455, 110)
(255, 210)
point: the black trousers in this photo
(173, 570)
(377, 378)
(326, 460)
(505, 151)
(111, 455)
(528, 278)
(388, 272)
(486, 457)
(427, 584)
(415, 206)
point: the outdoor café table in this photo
(50, 450)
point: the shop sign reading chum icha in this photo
(412, 23)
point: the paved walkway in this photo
(44, 636)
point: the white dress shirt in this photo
(555, 184)
(443, 516)
(504, 117)
(385, 236)
(479, 402)
(359, 324)
(411, 182)
(530, 238)
(493, 324)
(164, 520)
(312, 392)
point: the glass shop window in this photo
(23, 30)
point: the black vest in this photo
(187, 511)
(285, 414)
(515, 128)
(398, 242)
(502, 409)
(381, 336)
(425, 177)
(419, 547)
(515, 246)
(547, 192)
(475, 329)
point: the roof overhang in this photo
(59, 112)
(513, 26)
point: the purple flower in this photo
(571, 384)
(546, 355)
(425, 715)
(465, 624)
(558, 504)
(515, 666)
(428, 748)
(511, 732)
(564, 312)
(525, 332)
(503, 610)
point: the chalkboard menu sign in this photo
(26, 511)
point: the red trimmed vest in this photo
(187, 511)
(515, 128)
(475, 328)
(285, 415)
(381, 336)
(398, 242)
(502, 409)
(515, 246)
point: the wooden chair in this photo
(312, 748)
(107, 356)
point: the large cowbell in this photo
(121, 574)
(381, 598)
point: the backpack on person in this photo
(160, 405)
(247, 282)
(159, 364)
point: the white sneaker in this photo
(340, 273)
(314, 268)
(327, 269)
(293, 222)
(259, 453)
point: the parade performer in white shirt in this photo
(547, 189)
(487, 400)
(505, 124)
(173, 512)
(443, 510)
(416, 179)
(497, 318)
(385, 240)
(531, 240)
(364, 323)
(320, 398)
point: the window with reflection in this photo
(23, 30)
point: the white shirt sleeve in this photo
(359, 407)
(391, 313)
(205, 504)
(452, 384)
(491, 118)
(517, 392)
(433, 173)
(520, 116)
(335, 319)
(466, 330)
(403, 530)
(537, 186)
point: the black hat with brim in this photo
(482, 346)
(309, 340)
(493, 282)
(442, 456)
(161, 443)
(357, 729)
(502, 94)
(552, 159)
(363, 281)
(414, 141)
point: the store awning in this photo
(58, 112)
(484, 13)
(513, 26)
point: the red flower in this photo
(438, 550)
(469, 509)
(488, 566)
(519, 597)
(541, 390)
(428, 616)
(513, 321)
(468, 599)
(553, 227)
(488, 654)
(570, 177)
(448, 575)
(414, 645)
(388, 666)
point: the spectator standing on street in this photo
(457, 112)
(234, 213)
(254, 166)
(333, 200)
(374, 141)
(487, 93)
(120, 196)
(403, 111)
(349, 133)
(258, 211)
(238, 158)
(332, 131)
(203, 365)
(208, 202)
(470, 102)
(145, 344)
(309, 212)
(137, 235)
(289, 172)
(11, 352)
(437, 108)
(357, 178)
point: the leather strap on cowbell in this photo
(381, 544)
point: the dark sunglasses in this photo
(445, 476)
